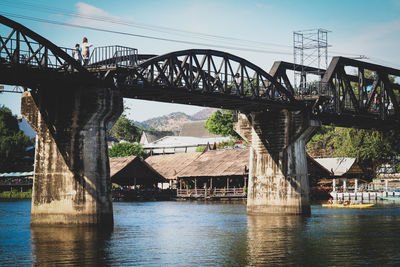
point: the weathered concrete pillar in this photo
(71, 177)
(278, 180)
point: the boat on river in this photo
(390, 198)
(350, 206)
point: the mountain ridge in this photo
(174, 121)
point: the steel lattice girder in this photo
(208, 73)
(210, 78)
(44, 48)
(370, 94)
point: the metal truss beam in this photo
(371, 93)
(366, 98)
(197, 71)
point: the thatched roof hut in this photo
(171, 164)
(133, 171)
(215, 168)
(229, 162)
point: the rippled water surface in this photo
(205, 234)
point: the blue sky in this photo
(367, 27)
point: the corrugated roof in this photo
(195, 129)
(170, 165)
(179, 141)
(152, 136)
(338, 166)
(227, 162)
(315, 169)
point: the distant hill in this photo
(170, 122)
(141, 125)
(203, 114)
(174, 121)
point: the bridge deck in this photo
(369, 98)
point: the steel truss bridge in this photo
(351, 93)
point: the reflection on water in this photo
(360, 236)
(272, 239)
(180, 234)
(69, 245)
(330, 237)
(205, 234)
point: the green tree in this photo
(126, 149)
(124, 129)
(323, 142)
(368, 146)
(221, 123)
(13, 142)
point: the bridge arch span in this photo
(28, 59)
(209, 72)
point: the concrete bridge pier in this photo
(71, 176)
(278, 180)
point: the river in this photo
(205, 234)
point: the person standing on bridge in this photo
(237, 83)
(76, 53)
(85, 51)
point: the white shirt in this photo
(85, 50)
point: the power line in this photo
(144, 36)
(205, 36)
(384, 61)
(48, 9)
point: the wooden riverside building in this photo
(216, 174)
(136, 180)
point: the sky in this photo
(260, 31)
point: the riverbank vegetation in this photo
(371, 148)
(13, 142)
(14, 194)
(221, 123)
(127, 149)
(126, 130)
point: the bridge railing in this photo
(113, 56)
(316, 88)
(31, 53)
(211, 193)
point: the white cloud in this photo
(92, 16)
